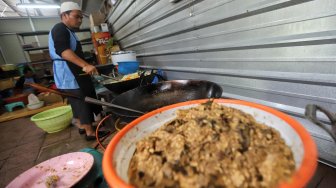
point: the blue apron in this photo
(68, 75)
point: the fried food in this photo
(51, 181)
(211, 146)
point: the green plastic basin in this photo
(53, 120)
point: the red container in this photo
(17, 98)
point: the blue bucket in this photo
(128, 67)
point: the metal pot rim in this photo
(123, 52)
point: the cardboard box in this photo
(96, 18)
(46, 55)
(37, 57)
(6, 83)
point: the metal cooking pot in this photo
(123, 56)
(123, 86)
(154, 96)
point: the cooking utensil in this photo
(310, 113)
(109, 77)
(102, 75)
(123, 86)
(154, 96)
(98, 102)
(121, 148)
(86, 99)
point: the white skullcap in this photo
(66, 6)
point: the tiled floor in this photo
(23, 145)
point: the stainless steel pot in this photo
(123, 56)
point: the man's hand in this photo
(69, 55)
(90, 69)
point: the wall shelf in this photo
(46, 47)
(37, 48)
(41, 60)
(26, 34)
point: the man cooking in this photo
(71, 71)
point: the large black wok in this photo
(122, 86)
(154, 96)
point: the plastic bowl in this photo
(121, 148)
(53, 120)
(128, 67)
(35, 105)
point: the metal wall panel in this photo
(120, 9)
(280, 53)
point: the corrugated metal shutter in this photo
(279, 53)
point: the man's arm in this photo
(61, 38)
(70, 56)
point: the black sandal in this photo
(81, 131)
(100, 135)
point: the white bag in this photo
(32, 99)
